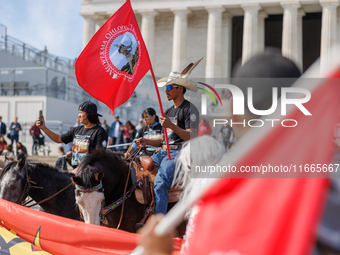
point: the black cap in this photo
(89, 107)
(117, 117)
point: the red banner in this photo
(115, 59)
(58, 235)
(259, 216)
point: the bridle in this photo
(98, 188)
(28, 187)
(105, 210)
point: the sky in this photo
(56, 24)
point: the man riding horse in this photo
(181, 122)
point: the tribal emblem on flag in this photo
(120, 52)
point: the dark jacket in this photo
(113, 127)
(3, 129)
(15, 132)
(61, 163)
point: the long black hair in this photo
(151, 112)
(93, 118)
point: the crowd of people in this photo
(118, 133)
(8, 148)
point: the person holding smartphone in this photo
(86, 138)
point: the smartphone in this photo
(40, 117)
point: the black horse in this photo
(103, 175)
(20, 179)
(103, 172)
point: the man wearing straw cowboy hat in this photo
(181, 121)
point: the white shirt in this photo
(116, 132)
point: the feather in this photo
(185, 70)
(192, 67)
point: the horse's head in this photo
(13, 178)
(89, 194)
(90, 173)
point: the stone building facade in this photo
(225, 31)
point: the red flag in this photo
(115, 59)
(257, 216)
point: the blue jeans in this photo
(35, 146)
(14, 138)
(163, 179)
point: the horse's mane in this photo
(43, 166)
(100, 155)
(97, 156)
(48, 167)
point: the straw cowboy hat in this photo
(181, 79)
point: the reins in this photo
(28, 187)
(106, 210)
(126, 184)
(135, 153)
(54, 195)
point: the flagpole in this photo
(161, 107)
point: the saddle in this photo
(146, 171)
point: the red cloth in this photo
(102, 68)
(204, 128)
(61, 236)
(257, 216)
(3, 146)
(126, 133)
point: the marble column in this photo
(328, 30)
(213, 67)
(89, 29)
(290, 32)
(261, 32)
(250, 31)
(301, 13)
(148, 31)
(227, 28)
(338, 26)
(99, 23)
(179, 46)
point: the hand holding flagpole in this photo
(162, 112)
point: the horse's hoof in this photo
(138, 226)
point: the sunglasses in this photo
(170, 87)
